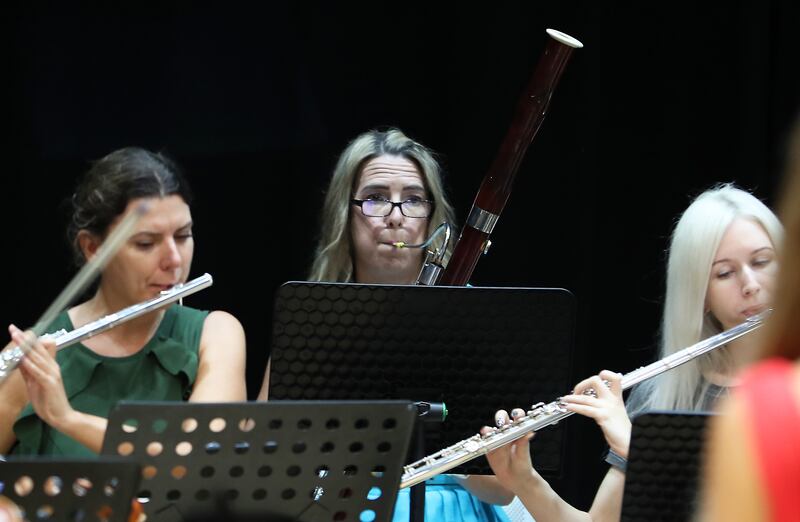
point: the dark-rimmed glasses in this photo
(381, 207)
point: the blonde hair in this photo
(694, 244)
(334, 258)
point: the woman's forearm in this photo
(486, 488)
(87, 429)
(544, 504)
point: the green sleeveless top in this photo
(163, 370)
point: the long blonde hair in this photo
(694, 244)
(333, 258)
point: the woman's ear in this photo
(88, 243)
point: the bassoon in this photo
(497, 184)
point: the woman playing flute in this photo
(57, 403)
(721, 270)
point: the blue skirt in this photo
(446, 500)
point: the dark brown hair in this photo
(783, 330)
(112, 182)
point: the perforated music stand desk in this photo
(475, 349)
(70, 489)
(662, 477)
(300, 461)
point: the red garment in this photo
(768, 395)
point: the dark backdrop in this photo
(256, 103)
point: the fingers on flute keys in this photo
(501, 417)
(39, 358)
(600, 385)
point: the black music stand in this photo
(70, 489)
(662, 477)
(475, 349)
(299, 461)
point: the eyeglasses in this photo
(380, 207)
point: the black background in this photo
(663, 101)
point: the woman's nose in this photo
(750, 284)
(395, 217)
(171, 255)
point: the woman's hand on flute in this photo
(512, 465)
(605, 406)
(43, 378)
(511, 462)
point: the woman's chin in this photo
(399, 271)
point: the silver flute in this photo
(11, 356)
(541, 415)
